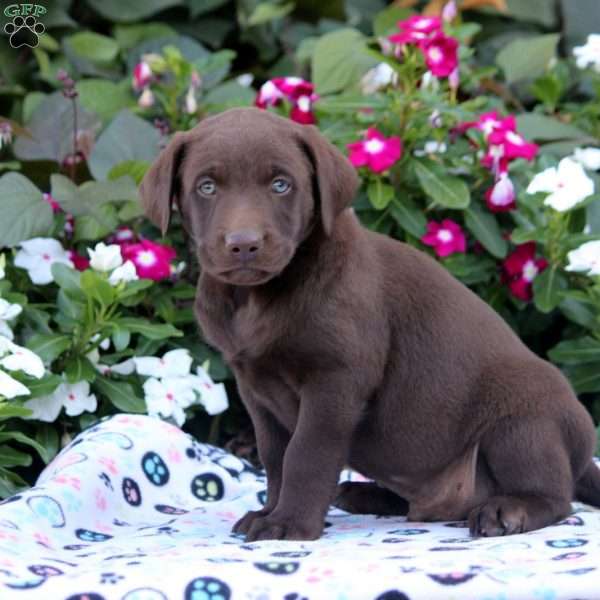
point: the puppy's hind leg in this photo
(530, 466)
(368, 498)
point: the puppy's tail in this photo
(587, 488)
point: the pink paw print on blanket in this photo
(317, 574)
(110, 464)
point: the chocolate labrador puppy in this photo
(350, 348)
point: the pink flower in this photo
(299, 92)
(407, 37)
(81, 263)
(302, 111)
(449, 12)
(376, 151)
(441, 54)
(501, 196)
(56, 208)
(420, 23)
(520, 268)
(142, 75)
(151, 260)
(446, 237)
(514, 145)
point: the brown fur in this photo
(352, 348)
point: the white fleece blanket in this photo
(135, 509)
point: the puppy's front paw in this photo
(500, 515)
(273, 527)
(244, 524)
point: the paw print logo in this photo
(155, 469)
(208, 487)
(24, 31)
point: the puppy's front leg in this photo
(272, 440)
(311, 467)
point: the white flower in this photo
(126, 272)
(431, 147)
(191, 106)
(212, 395)
(127, 367)
(588, 157)
(377, 78)
(430, 82)
(37, 256)
(2, 266)
(585, 259)
(567, 185)
(588, 55)
(75, 397)
(17, 358)
(175, 363)
(8, 311)
(168, 397)
(9, 387)
(245, 79)
(146, 99)
(105, 258)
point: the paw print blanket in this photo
(135, 509)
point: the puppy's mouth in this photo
(245, 275)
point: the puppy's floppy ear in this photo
(159, 187)
(336, 178)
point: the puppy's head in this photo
(250, 186)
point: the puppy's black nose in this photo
(244, 244)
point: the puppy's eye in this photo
(207, 187)
(280, 186)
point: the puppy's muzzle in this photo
(244, 245)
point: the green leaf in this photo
(80, 369)
(578, 312)
(380, 194)
(24, 212)
(104, 97)
(266, 12)
(104, 222)
(136, 169)
(536, 11)
(47, 437)
(585, 378)
(384, 23)
(201, 7)
(17, 436)
(132, 10)
(127, 137)
(229, 95)
(129, 36)
(547, 288)
(68, 279)
(48, 346)
(409, 216)
(41, 387)
(543, 128)
(445, 190)
(339, 60)
(96, 287)
(121, 339)
(484, 227)
(93, 46)
(150, 330)
(526, 58)
(121, 394)
(573, 352)
(69, 307)
(13, 458)
(51, 129)
(8, 411)
(470, 269)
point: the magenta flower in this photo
(81, 263)
(299, 92)
(520, 268)
(513, 144)
(407, 37)
(151, 260)
(446, 237)
(376, 151)
(420, 23)
(501, 196)
(123, 235)
(441, 54)
(142, 75)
